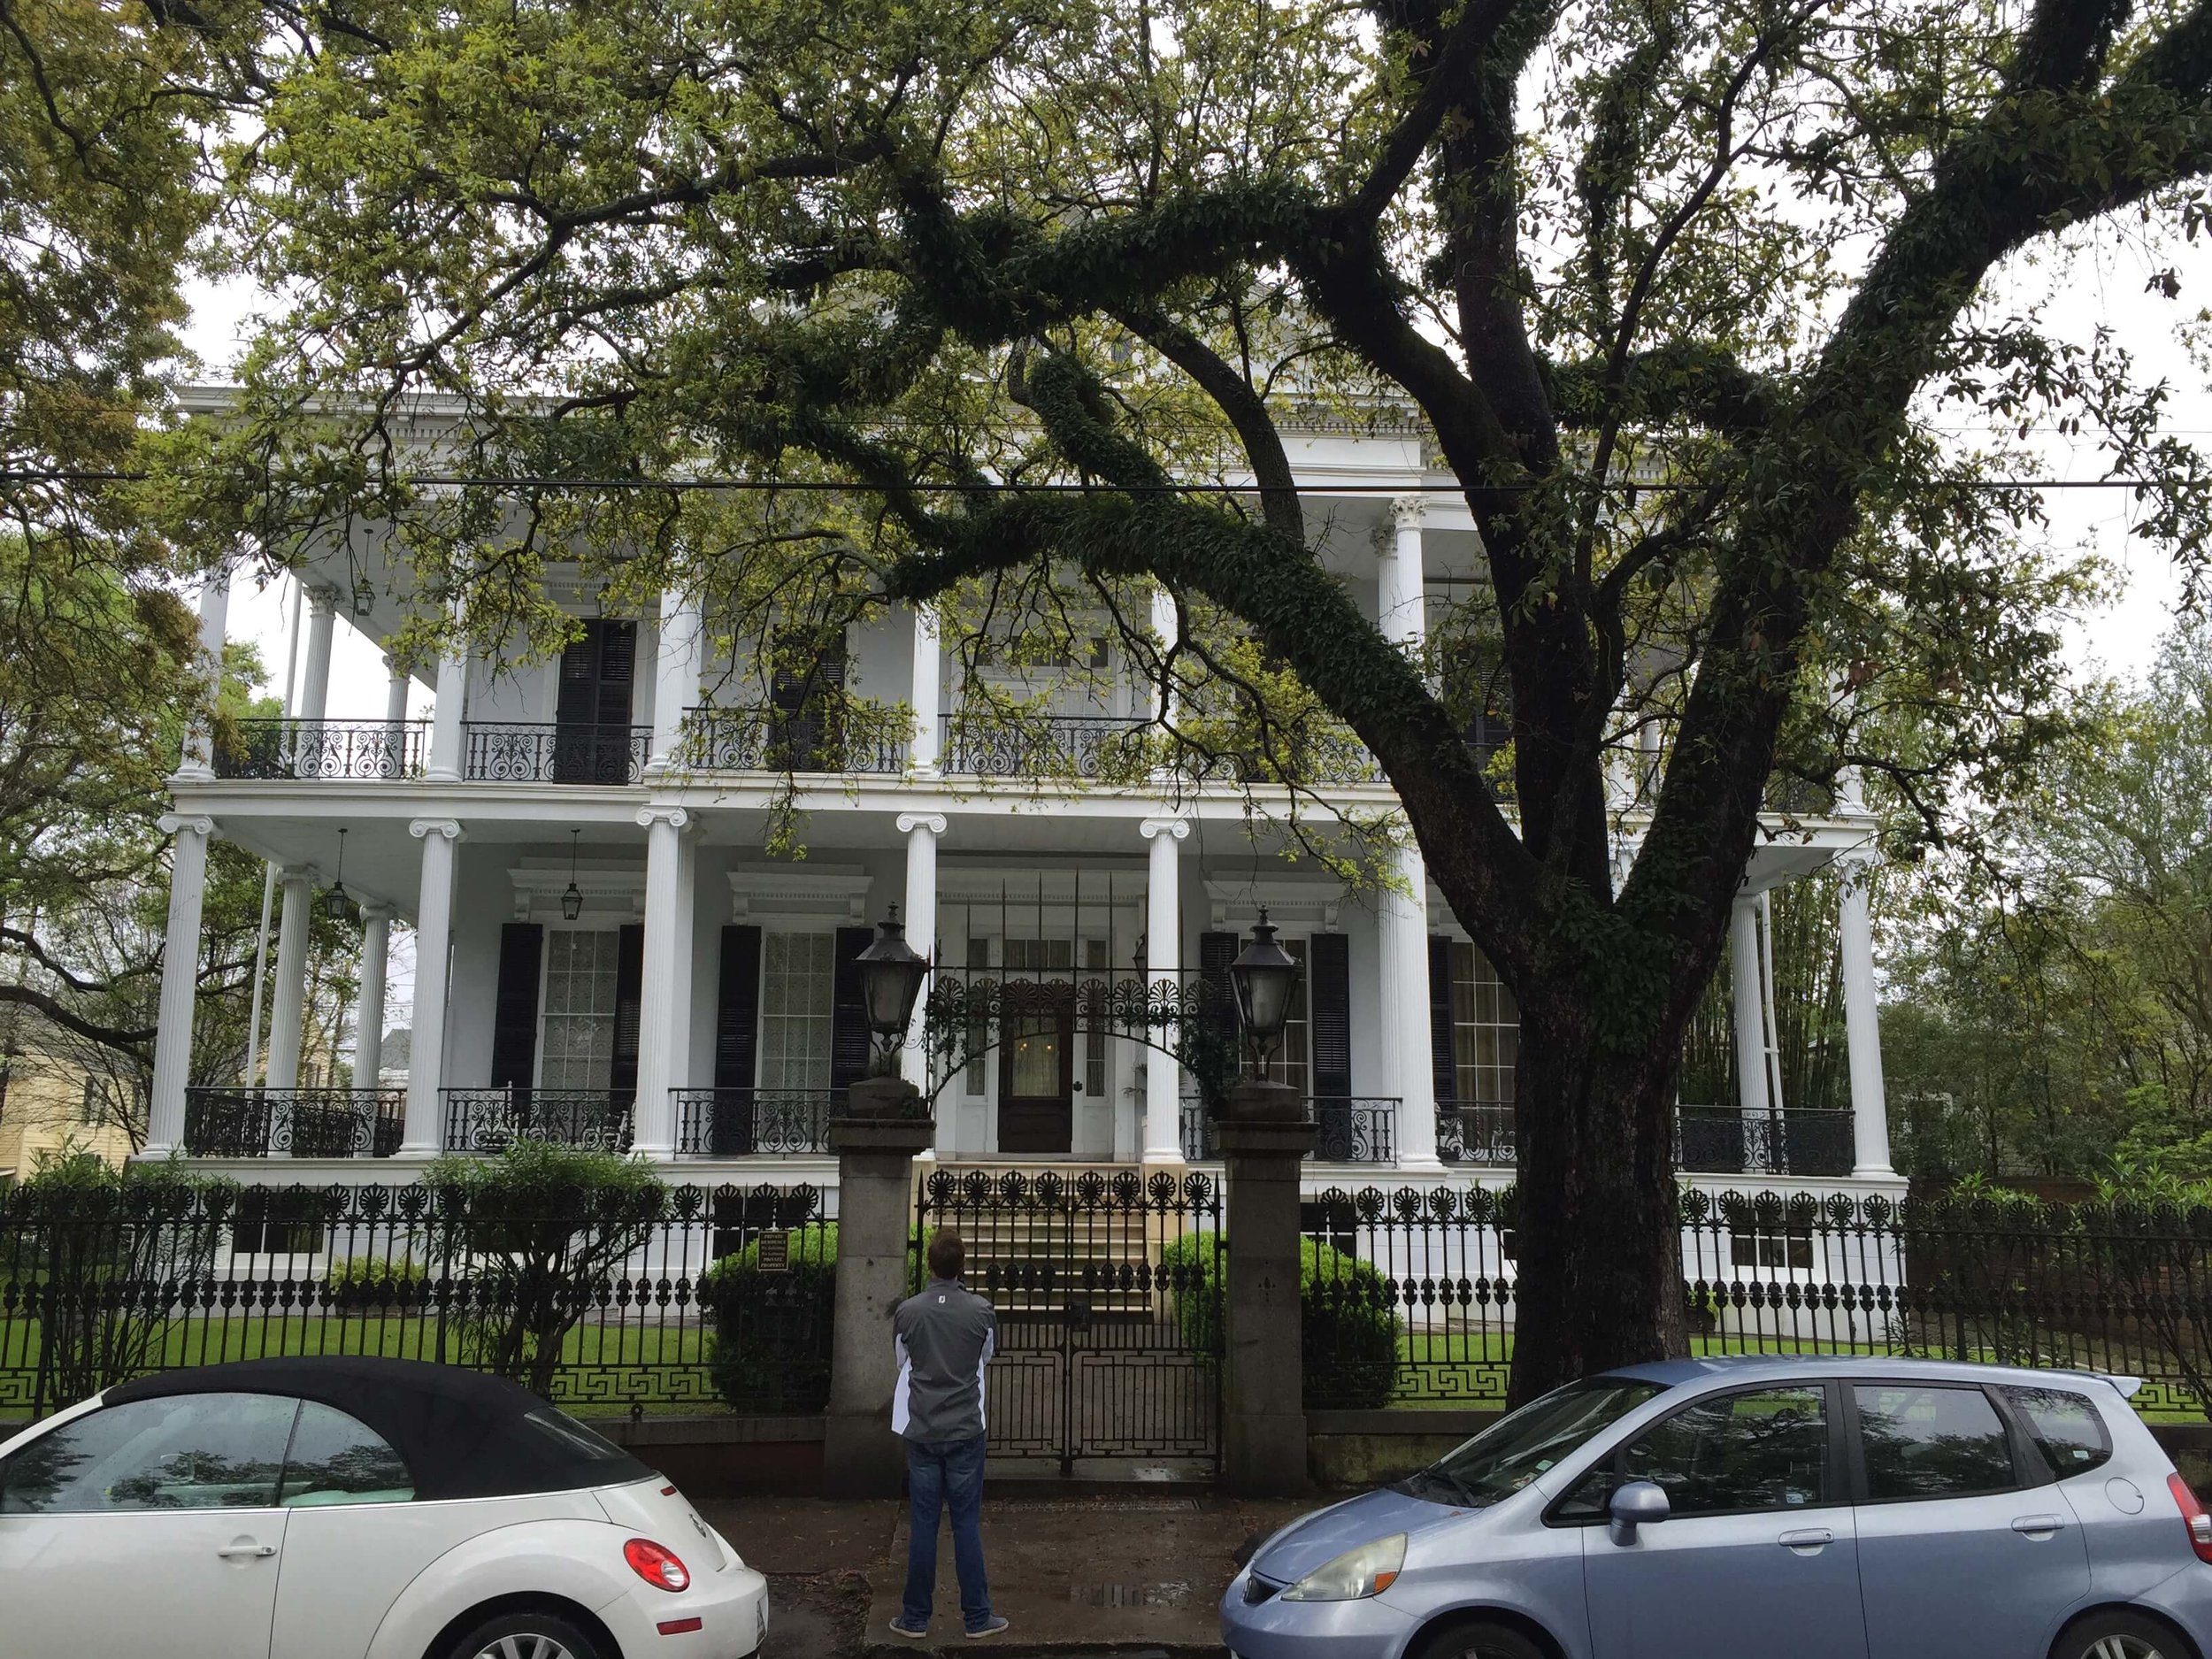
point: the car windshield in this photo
(1516, 1450)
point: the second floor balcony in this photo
(271, 749)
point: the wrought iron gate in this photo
(1109, 1291)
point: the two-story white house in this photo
(606, 953)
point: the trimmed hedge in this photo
(364, 1281)
(772, 1330)
(1348, 1326)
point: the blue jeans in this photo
(942, 1474)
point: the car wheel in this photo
(2118, 1636)
(525, 1636)
(1481, 1639)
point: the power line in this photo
(815, 486)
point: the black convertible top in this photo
(462, 1434)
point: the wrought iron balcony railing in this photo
(1360, 1129)
(531, 751)
(491, 1119)
(1088, 746)
(262, 747)
(1727, 1140)
(732, 1123)
(845, 740)
(1476, 1132)
(298, 1122)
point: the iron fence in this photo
(267, 746)
(728, 1123)
(491, 1119)
(1410, 1297)
(1708, 1140)
(686, 1298)
(853, 738)
(298, 1122)
(519, 751)
(1349, 1129)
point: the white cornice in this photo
(835, 892)
(619, 889)
(1293, 904)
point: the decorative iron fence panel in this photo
(491, 1119)
(1108, 1288)
(1351, 1129)
(728, 1123)
(516, 751)
(1709, 1140)
(593, 1308)
(267, 747)
(300, 1122)
(1045, 745)
(1415, 1292)
(854, 737)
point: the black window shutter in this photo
(1329, 973)
(515, 1010)
(1440, 1019)
(629, 995)
(848, 1010)
(737, 1011)
(1216, 952)
(618, 672)
(578, 700)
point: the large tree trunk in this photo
(1600, 1267)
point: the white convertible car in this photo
(352, 1508)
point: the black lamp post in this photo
(1264, 976)
(891, 976)
(337, 904)
(572, 898)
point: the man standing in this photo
(945, 1336)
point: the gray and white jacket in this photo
(945, 1336)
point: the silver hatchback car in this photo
(1797, 1508)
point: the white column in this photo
(926, 692)
(921, 830)
(424, 1130)
(199, 739)
(1750, 1008)
(322, 618)
(180, 979)
(1163, 965)
(446, 713)
(368, 1020)
(1167, 628)
(287, 1011)
(1410, 1029)
(1400, 610)
(1862, 1026)
(660, 1014)
(675, 676)
(395, 691)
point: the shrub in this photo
(772, 1331)
(367, 1282)
(544, 1227)
(1348, 1326)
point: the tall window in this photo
(971, 1078)
(1485, 1031)
(577, 1050)
(796, 973)
(1293, 1057)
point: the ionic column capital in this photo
(199, 823)
(1152, 828)
(674, 816)
(933, 822)
(422, 828)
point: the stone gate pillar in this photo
(875, 1145)
(1264, 1139)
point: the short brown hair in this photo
(946, 1255)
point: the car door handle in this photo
(2038, 1525)
(247, 1548)
(1807, 1537)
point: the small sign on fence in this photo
(775, 1251)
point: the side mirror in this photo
(1638, 1503)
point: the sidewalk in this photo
(1073, 1574)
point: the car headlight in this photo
(1357, 1573)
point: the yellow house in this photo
(49, 1102)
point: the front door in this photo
(1036, 1069)
(1759, 1553)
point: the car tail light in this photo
(2192, 1514)
(660, 1566)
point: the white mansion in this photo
(605, 952)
